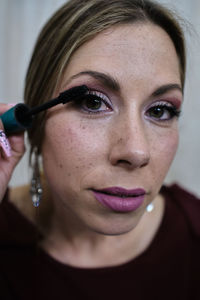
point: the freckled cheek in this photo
(171, 144)
(165, 149)
(73, 142)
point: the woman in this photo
(106, 227)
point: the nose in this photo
(129, 144)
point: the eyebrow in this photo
(105, 79)
(114, 85)
(167, 88)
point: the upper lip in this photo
(119, 191)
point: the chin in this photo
(115, 229)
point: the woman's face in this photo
(126, 139)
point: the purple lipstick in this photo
(120, 199)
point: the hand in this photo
(11, 151)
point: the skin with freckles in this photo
(123, 142)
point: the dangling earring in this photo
(36, 188)
(150, 207)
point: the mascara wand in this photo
(20, 117)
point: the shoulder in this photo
(15, 227)
(20, 221)
(188, 203)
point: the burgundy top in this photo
(168, 269)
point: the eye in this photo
(95, 102)
(163, 111)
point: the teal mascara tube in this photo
(15, 120)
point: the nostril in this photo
(144, 164)
(121, 161)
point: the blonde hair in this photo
(72, 25)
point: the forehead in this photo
(130, 51)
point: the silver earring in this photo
(36, 188)
(150, 207)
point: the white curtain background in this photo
(20, 23)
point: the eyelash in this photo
(91, 96)
(163, 106)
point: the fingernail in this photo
(12, 104)
(4, 144)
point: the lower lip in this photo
(119, 204)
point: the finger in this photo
(5, 106)
(1, 125)
(5, 145)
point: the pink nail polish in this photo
(4, 144)
(12, 104)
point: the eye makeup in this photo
(94, 102)
(97, 103)
(163, 111)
